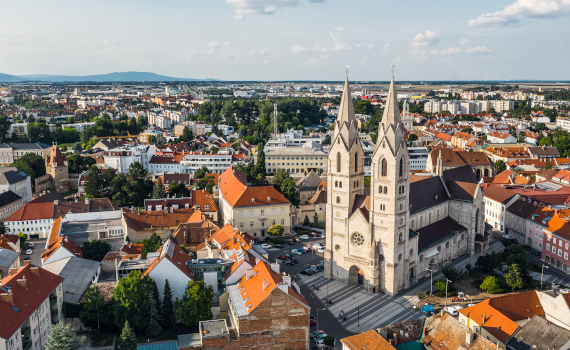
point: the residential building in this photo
(503, 105)
(291, 138)
(199, 199)
(148, 136)
(29, 296)
(11, 152)
(17, 181)
(140, 225)
(79, 127)
(107, 144)
(9, 259)
(497, 200)
(59, 246)
(121, 158)
(216, 163)
(554, 225)
(418, 158)
(516, 223)
(266, 308)
(31, 219)
(295, 160)
(9, 203)
(251, 209)
(308, 186)
(539, 333)
(462, 140)
(370, 340)
(179, 178)
(195, 232)
(165, 164)
(501, 137)
(543, 152)
(563, 123)
(556, 305)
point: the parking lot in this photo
(37, 251)
(304, 261)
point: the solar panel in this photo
(548, 186)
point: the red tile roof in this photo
(369, 340)
(27, 300)
(176, 256)
(55, 230)
(55, 158)
(238, 194)
(33, 211)
(203, 198)
(66, 243)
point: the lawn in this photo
(320, 225)
(301, 231)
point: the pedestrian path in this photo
(549, 279)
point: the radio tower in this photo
(275, 119)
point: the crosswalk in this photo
(364, 311)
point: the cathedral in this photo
(385, 237)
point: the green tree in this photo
(94, 313)
(207, 183)
(316, 218)
(32, 164)
(467, 130)
(490, 284)
(128, 340)
(2, 228)
(4, 127)
(306, 221)
(186, 135)
(521, 137)
(289, 190)
(196, 303)
(548, 166)
(468, 268)
(93, 182)
(328, 341)
(63, 337)
(327, 140)
(150, 245)
(158, 190)
(178, 190)
(500, 166)
(136, 171)
(95, 250)
(23, 238)
(77, 148)
(451, 273)
(487, 262)
(200, 173)
(260, 165)
(133, 302)
(168, 321)
(276, 230)
(514, 277)
(153, 327)
(278, 178)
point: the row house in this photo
(500, 137)
(462, 140)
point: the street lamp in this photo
(541, 274)
(430, 281)
(323, 309)
(446, 280)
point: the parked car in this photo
(321, 343)
(312, 322)
(289, 256)
(297, 240)
(29, 252)
(451, 310)
(469, 305)
(278, 245)
(323, 235)
(316, 245)
(304, 237)
(298, 251)
(320, 249)
(293, 260)
(507, 237)
(289, 241)
(457, 307)
(26, 258)
(535, 252)
(307, 249)
(315, 333)
(304, 272)
(265, 246)
(31, 244)
(283, 257)
(319, 338)
(314, 234)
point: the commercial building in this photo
(295, 160)
(216, 163)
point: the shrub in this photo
(490, 284)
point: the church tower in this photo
(407, 119)
(389, 205)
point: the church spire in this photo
(391, 109)
(346, 110)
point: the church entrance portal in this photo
(355, 275)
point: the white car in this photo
(457, 307)
(469, 305)
(31, 244)
(320, 249)
(29, 252)
(315, 333)
(323, 235)
(321, 343)
(304, 237)
(265, 246)
(451, 310)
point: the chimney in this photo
(276, 268)
(8, 297)
(35, 270)
(13, 271)
(287, 279)
(172, 209)
(469, 336)
(484, 319)
(249, 274)
(151, 257)
(395, 335)
(264, 284)
(87, 200)
(284, 287)
(22, 282)
(55, 202)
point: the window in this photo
(251, 224)
(559, 252)
(251, 213)
(340, 184)
(262, 212)
(553, 240)
(384, 167)
(282, 211)
(272, 211)
(338, 199)
(385, 189)
(206, 207)
(547, 246)
(401, 167)
(282, 222)
(241, 224)
(356, 161)
(338, 161)
(565, 256)
(241, 214)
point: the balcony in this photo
(26, 332)
(262, 218)
(52, 302)
(27, 345)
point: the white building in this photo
(291, 138)
(497, 200)
(418, 157)
(501, 137)
(216, 163)
(79, 127)
(17, 181)
(121, 158)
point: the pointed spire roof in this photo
(391, 110)
(346, 110)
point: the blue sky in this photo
(289, 39)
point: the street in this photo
(37, 251)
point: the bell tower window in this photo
(401, 167)
(356, 162)
(384, 167)
(338, 162)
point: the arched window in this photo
(336, 184)
(356, 162)
(384, 168)
(421, 221)
(429, 218)
(476, 221)
(400, 237)
(338, 199)
(357, 183)
(380, 189)
(340, 184)
(400, 190)
(338, 162)
(385, 189)
(403, 188)
(401, 167)
(437, 218)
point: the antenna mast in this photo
(275, 119)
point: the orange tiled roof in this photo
(369, 340)
(54, 233)
(131, 249)
(224, 234)
(203, 198)
(27, 300)
(238, 194)
(55, 158)
(66, 243)
(33, 211)
(176, 256)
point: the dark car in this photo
(278, 245)
(290, 255)
(289, 241)
(535, 252)
(293, 260)
(305, 272)
(283, 257)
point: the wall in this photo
(43, 183)
(97, 215)
(555, 308)
(176, 278)
(59, 254)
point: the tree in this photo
(133, 302)
(158, 190)
(92, 313)
(62, 337)
(316, 218)
(136, 171)
(32, 164)
(276, 230)
(93, 182)
(95, 250)
(521, 137)
(2, 228)
(468, 268)
(128, 341)
(487, 262)
(328, 341)
(150, 245)
(23, 238)
(327, 140)
(153, 327)
(260, 165)
(200, 173)
(178, 190)
(451, 273)
(500, 166)
(548, 166)
(467, 130)
(490, 284)
(514, 277)
(77, 148)
(196, 303)
(186, 135)
(289, 190)
(306, 221)
(168, 321)
(278, 178)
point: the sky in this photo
(289, 39)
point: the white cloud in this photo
(268, 7)
(110, 42)
(396, 60)
(523, 9)
(456, 50)
(339, 46)
(300, 49)
(450, 51)
(370, 46)
(423, 58)
(464, 41)
(228, 43)
(231, 57)
(422, 40)
(340, 29)
(257, 53)
(318, 62)
(214, 44)
(386, 48)
(478, 49)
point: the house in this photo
(9, 203)
(265, 308)
(78, 275)
(539, 333)
(444, 332)
(369, 340)
(308, 186)
(17, 181)
(497, 199)
(543, 152)
(169, 263)
(195, 231)
(480, 163)
(499, 318)
(11, 242)
(140, 225)
(556, 307)
(251, 209)
(61, 247)
(168, 178)
(9, 260)
(32, 300)
(501, 137)
(33, 218)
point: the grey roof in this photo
(50, 197)
(7, 257)
(77, 274)
(426, 191)
(544, 151)
(237, 301)
(310, 182)
(437, 232)
(189, 340)
(38, 146)
(8, 198)
(12, 175)
(539, 334)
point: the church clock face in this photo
(337, 214)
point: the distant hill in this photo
(117, 76)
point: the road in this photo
(37, 251)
